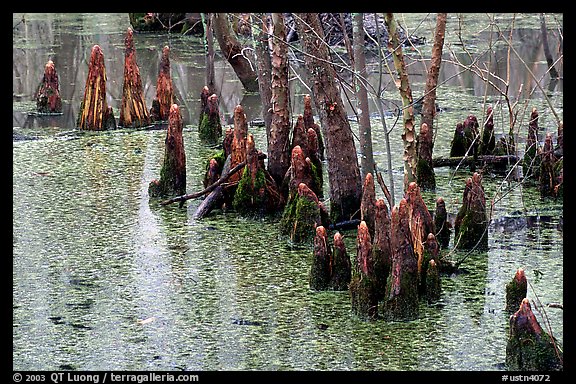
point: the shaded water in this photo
(104, 279)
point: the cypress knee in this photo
(321, 261)
(164, 90)
(362, 286)
(368, 203)
(309, 123)
(516, 291)
(95, 114)
(401, 299)
(433, 284)
(173, 172)
(341, 265)
(48, 94)
(529, 347)
(210, 128)
(441, 223)
(381, 251)
(133, 113)
(471, 224)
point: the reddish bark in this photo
(309, 123)
(164, 90)
(421, 223)
(381, 251)
(300, 135)
(133, 112)
(516, 291)
(227, 142)
(321, 262)
(48, 94)
(368, 203)
(314, 157)
(547, 174)
(299, 171)
(401, 300)
(341, 269)
(362, 286)
(431, 252)
(238, 146)
(529, 347)
(212, 173)
(94, 111)
(173, 173)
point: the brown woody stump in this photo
(550, 168)
(300, 171)
(431, 253)
(302, 214)
(173, 172)
(529, 347)
(530, 162)
(300, 135)
(368, 203)
(381, 251)
(317, 168)
(401, 299)
(95, 114)
(133, 113)
(48, 94)
(488, 143)
(471, 223)
(441, 224)
(341, 273)
(464, 139)
(210, 128)
(164, 90)
(362, 285)
(309, 123)
(256, 193)
(321, 261)
(238, 144)
(424, 168)
(458, 146)
(433, 283)
(516, 291)
(213, 172)
(421, 224)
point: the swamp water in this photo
(105, 279)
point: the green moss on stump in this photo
(250, 199)
(364, 297)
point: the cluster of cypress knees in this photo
(398, 260)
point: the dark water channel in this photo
(105, 280)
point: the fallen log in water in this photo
(225, 176)
(467, 160)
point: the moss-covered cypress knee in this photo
(433, 283)
(210, 127)
(363, 285)
(516, 291)
(321, 261)
(341, 265)
(471, 223)
(529, 347)
(368, 203)
(401, 299)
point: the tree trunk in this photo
(343, 172)
(409, 134)
(48, 94)
(279, 133)
(425, 142)
(547, 54)
(133, 113)
(209, 51)
(164, 90)
(95, 114)
(233, 52)
(263, 66)
(364, 128)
